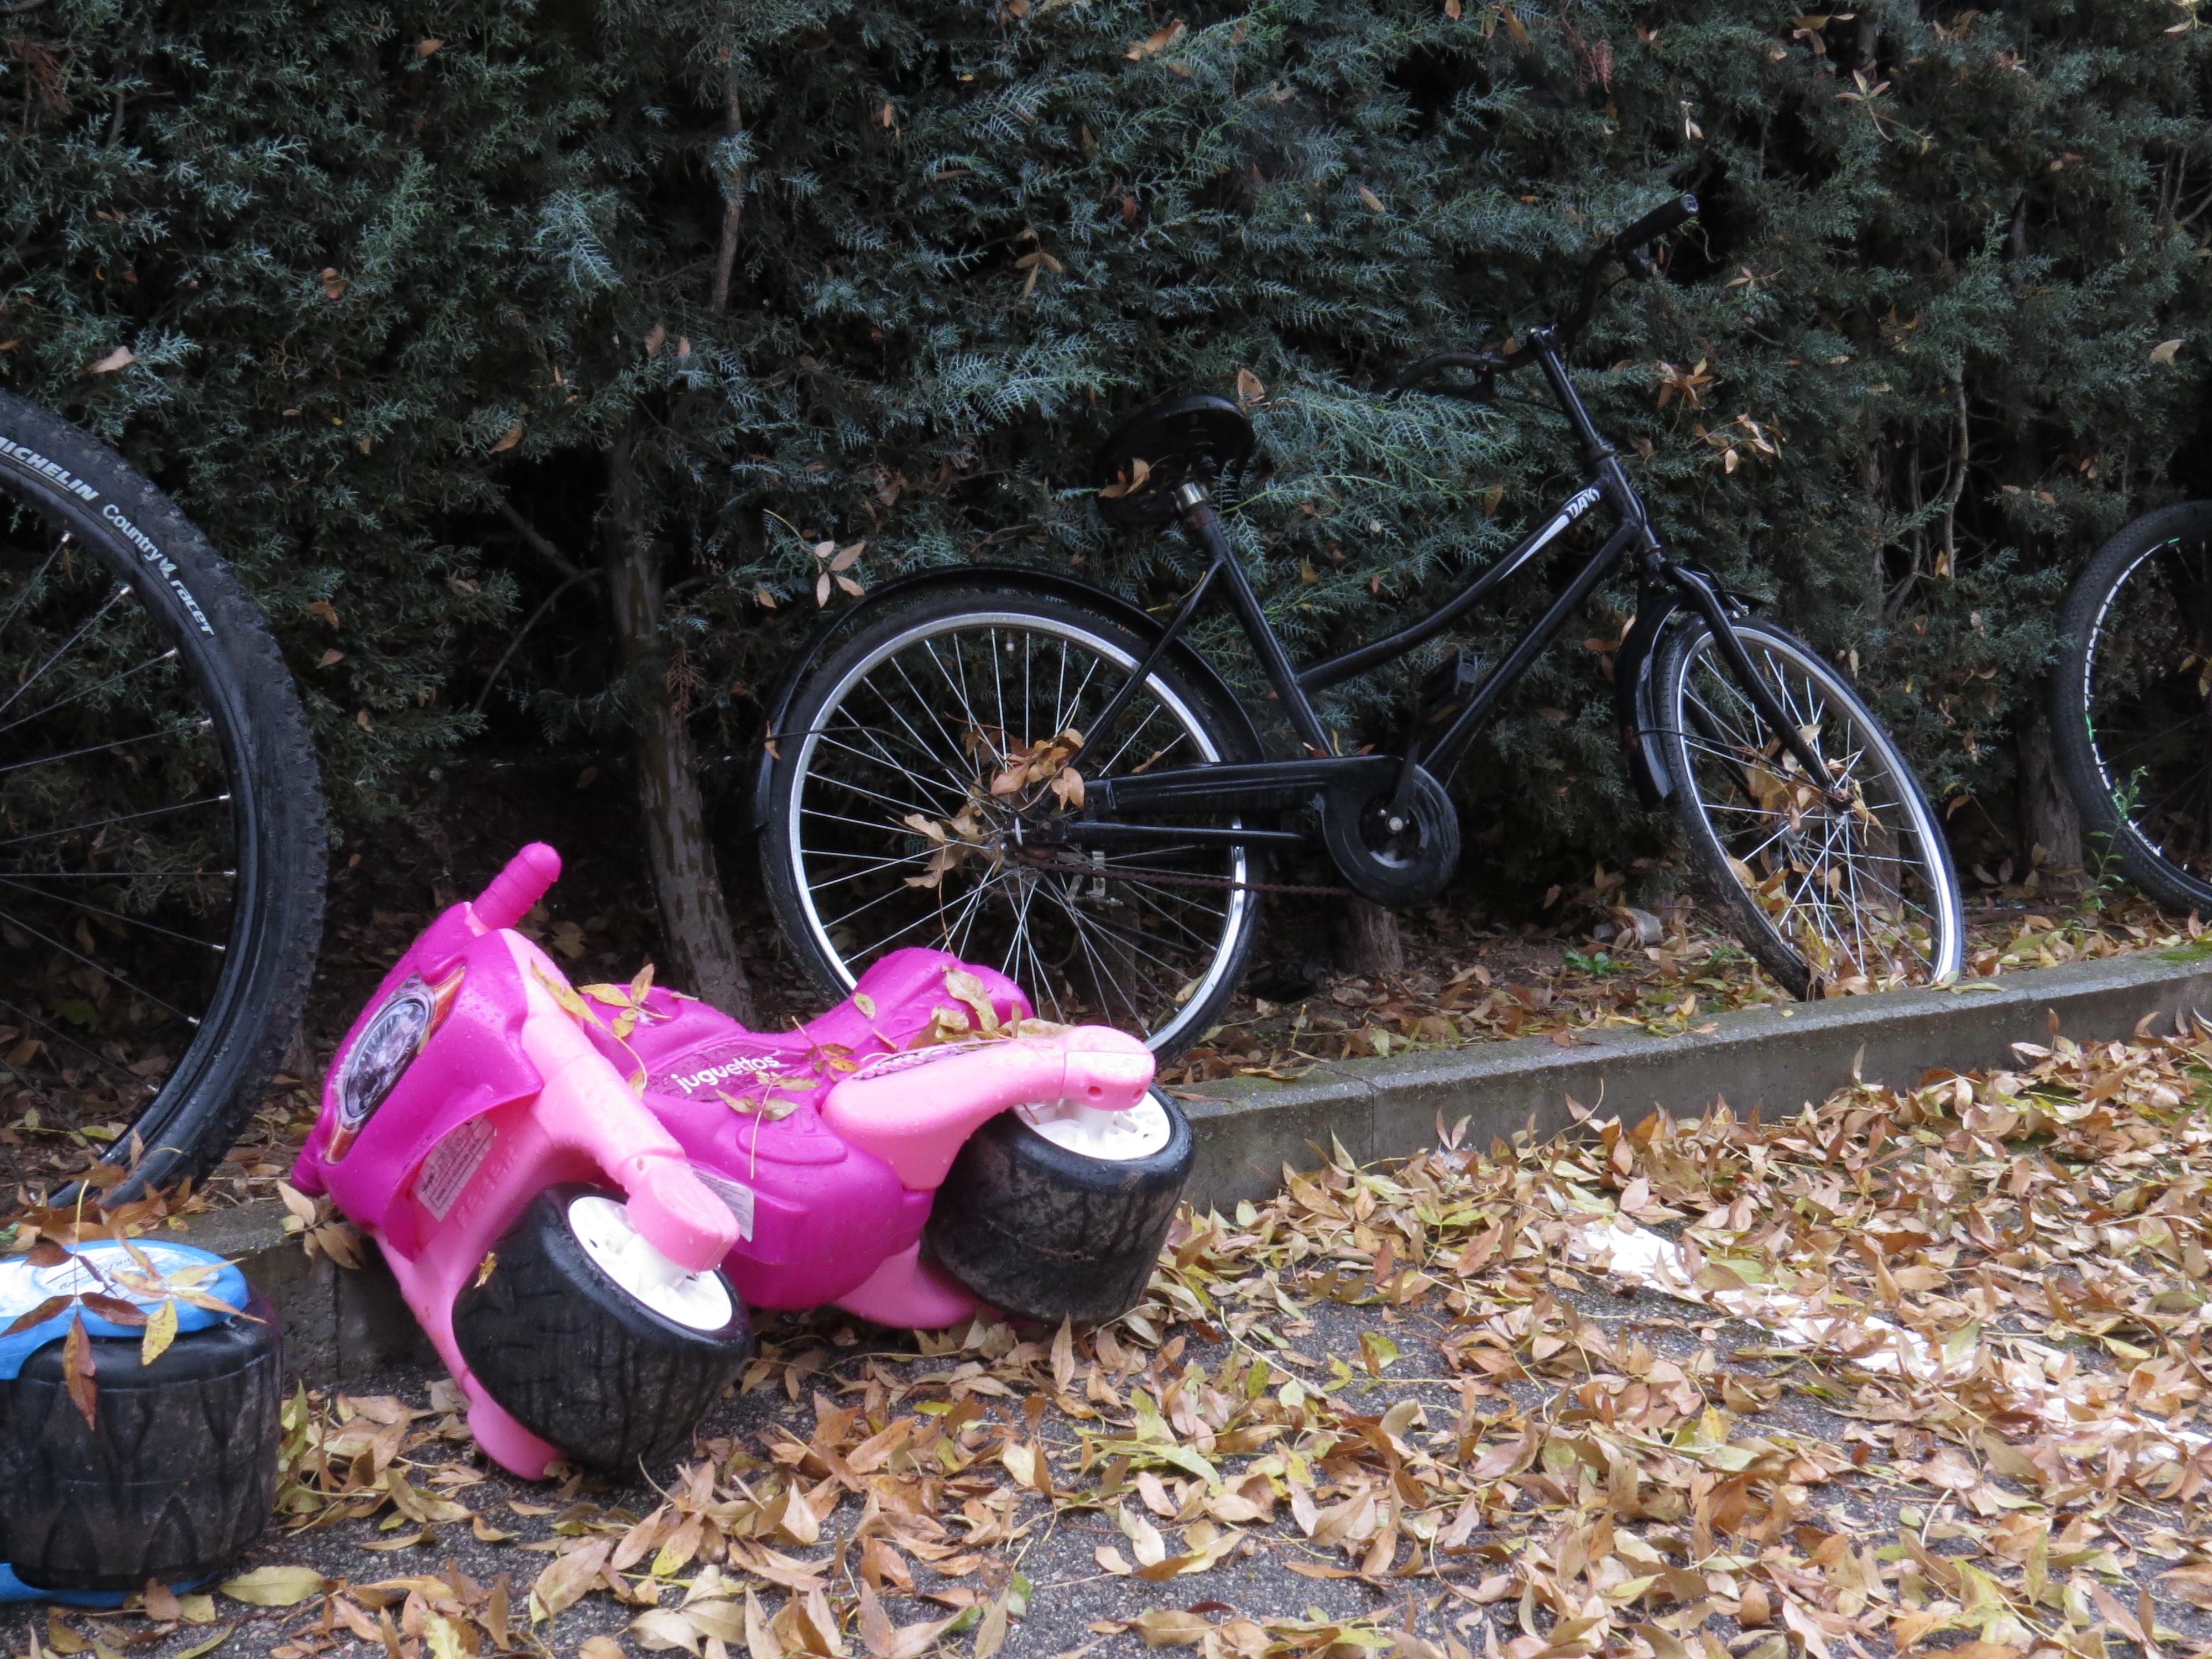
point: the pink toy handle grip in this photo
(518, 886)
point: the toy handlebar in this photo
(518, 886)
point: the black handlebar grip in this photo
(1656, 223)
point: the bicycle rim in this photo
(2147, 701)
(125, 829)
(1860, 893)
(906, 823)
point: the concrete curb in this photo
(1774, 1057)
(339, 1324)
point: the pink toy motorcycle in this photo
(579, 1194)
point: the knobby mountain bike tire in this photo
(1827, 897)
(2130, 703)
(162, 833)
(907, 770)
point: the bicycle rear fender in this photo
(1635, 700)
(1010, 577)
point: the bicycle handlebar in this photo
(1667, 216)
(1621, 246)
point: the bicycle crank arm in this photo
(1240, 784)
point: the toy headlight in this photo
(380, 1057)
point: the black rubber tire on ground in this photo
(2188, 525)
(1046, 1233)
(277, 805)
(1169, 1023)
(579, 1361)
(176, 1475)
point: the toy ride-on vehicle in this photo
(579, 1193)
(162, 1467)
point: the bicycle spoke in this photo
(892, 801)
(1831, 880)
(130, 1079)
(95, 749)
(32, 587)
(102, 910)
(99, 967)
(121, 592)
(109, 822)
(135, 875)
(1111, 927)
(950, 768)
(169, 655)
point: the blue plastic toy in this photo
(177, 1469)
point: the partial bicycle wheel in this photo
(2132, 702)
(911, 768)
(1850, 894)
(161, 821)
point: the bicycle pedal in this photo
(1446, 687)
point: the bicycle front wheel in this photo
(913, 769)
(1830, 897)
(2131, 701)
(161, 823)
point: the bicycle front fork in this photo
(1714, 609)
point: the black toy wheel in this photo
(1035, 1226)
(1398, 856)
(578, 1334)
(176, 1473)
(1194, 436)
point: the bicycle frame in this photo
(1280, 783)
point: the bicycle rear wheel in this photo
(1829, 898)
(910, 768)
(2131, 701)
(161, 823)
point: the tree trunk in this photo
(1368, 941)
(695, 921)
(2046, 811)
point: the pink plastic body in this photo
(804, 1161)
(505, 1097)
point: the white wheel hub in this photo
(603, 1227)
(1120, 1137)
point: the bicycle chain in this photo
(1163, 878)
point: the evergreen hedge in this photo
(864, 272)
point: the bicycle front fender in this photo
(1635, 710)
(1636, 699)
(1011, 578)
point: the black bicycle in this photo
(2131, 701)
(1022, 768)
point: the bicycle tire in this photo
(61, 489)
(1204, 733)
(2140, 601)
(1861, 939)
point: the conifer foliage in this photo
(736, 289)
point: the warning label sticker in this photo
(445, 1174)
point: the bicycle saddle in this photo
(1191, 436)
